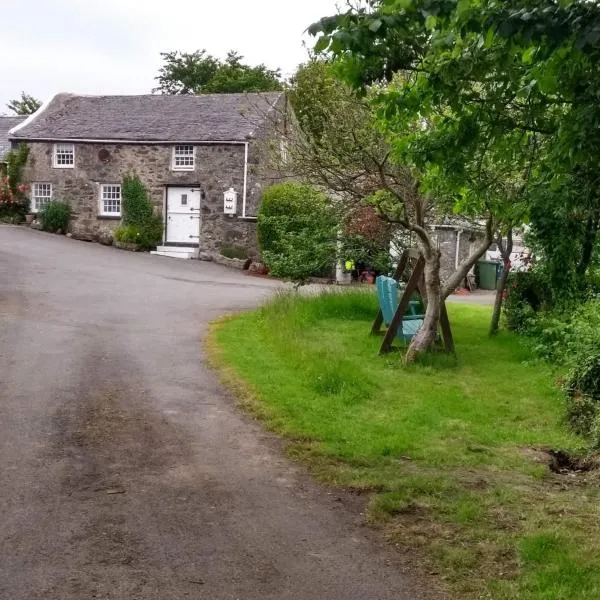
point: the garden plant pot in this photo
(29, 218)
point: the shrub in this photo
(583, 397)
(55, 216)
(146, 236)
(152, 232)
(566, 335)
(527, 292)
(140, 224)
(366, 238)
(128, 234)
(136, 204)
(296, 231)
(234, 252)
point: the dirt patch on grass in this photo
(563, 462)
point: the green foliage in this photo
(136, 204)
(567, 337)
(128, 234)
(508, 91)
(25, 105)
(147, 236)
(201, 73)
(15, 161)
(140, 224)
(152, 232)
(234, 252)
(527, 293)
(55, 216)
(14, 203)
(316, 94)
(296, 231)
(583, 393)
(564, 234)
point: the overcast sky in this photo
(113, 46)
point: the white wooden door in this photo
(183, 215)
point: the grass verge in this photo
(452, 455)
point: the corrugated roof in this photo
(151, 118)
(6, 124)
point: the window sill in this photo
(63, 166)
(109, 217)
(183, 170)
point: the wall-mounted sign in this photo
(230, 202)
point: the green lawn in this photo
(449, 453)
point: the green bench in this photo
(387, 294)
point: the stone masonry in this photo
(218, 167)
(446, 239)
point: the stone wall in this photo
(218, 167)
(447, 239)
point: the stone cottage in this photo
(204, 159)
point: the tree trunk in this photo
(500, 290)
(505, 252)
(588, 246)
(425, 338)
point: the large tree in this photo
(25, 105)
(503, 78)
(343, 148)
(200, 73)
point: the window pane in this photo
(41, 194)
(111, 200)
(183, 157)
(64, 154)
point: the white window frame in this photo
(104, 187)
(36, 195)
(175, 155)
(66, 149)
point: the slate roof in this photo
(6, 124)
(150, 118)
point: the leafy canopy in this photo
(25, 105)
(201, 73)
(489, 99)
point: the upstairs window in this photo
(110, 200)
(41, 194)
(64, 156)
(184, 158)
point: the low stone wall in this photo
(232, 263)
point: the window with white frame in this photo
(64, 156)
(110, 200)
(184, 158)
(41, 194)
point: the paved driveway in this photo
(125, 471)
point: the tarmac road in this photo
(126, 472)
